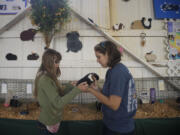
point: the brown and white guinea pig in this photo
(89, 78)
(117, 27)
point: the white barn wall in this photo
(97, 10)
(75, 65)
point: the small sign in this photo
(3, 88)
(166, 9)
(12, 6)
(161, 85)
(29, 88)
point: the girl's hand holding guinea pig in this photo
(83, 86)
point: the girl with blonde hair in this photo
(50, 95)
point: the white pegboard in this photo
(173, 63)
(174, 68)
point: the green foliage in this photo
(46, 14)
(49, 16)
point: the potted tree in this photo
(49, 16)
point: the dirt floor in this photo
(167, 109)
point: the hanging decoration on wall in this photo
(150, 57)
(11, 56)
(143, 39)
(143, 22)
(173, 47)
(137, 25)
(12, 6)
(33, 56)
(27, 35)
(50, 17)
(167, 9)
(140, 24)
(173, 40)
(73, 42)
(118, 26)
(174, 68)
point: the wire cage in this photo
(17, 87)
(162, 89)
(22, 89)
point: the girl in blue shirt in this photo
(118, 94)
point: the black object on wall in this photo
(73, 42)
(33, 56)
(11, 56)
(28, 34)
(143, 22)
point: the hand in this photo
(94, 85)
(83, 86)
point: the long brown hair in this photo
(109, 48)
(49, 58)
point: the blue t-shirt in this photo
(119, 82)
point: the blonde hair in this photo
(49, 58)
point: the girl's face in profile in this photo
(56, 63)
(102, 59)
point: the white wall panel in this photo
(76, 65)
(155, 44)
(4, 19)
(97, 10)
(11, 73)
(11, 45)
(29, 73)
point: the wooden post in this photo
(113, 12)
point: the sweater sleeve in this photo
(68, 88)
(50, 90)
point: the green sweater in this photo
(51, 104)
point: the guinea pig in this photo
(89, 78)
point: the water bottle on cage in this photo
(8, 98)
(152, 95)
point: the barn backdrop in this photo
(94, 21)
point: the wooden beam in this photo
(18, 17)
(112, 39)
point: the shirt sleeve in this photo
(117, 83)
(52, 94)
(68, 88)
